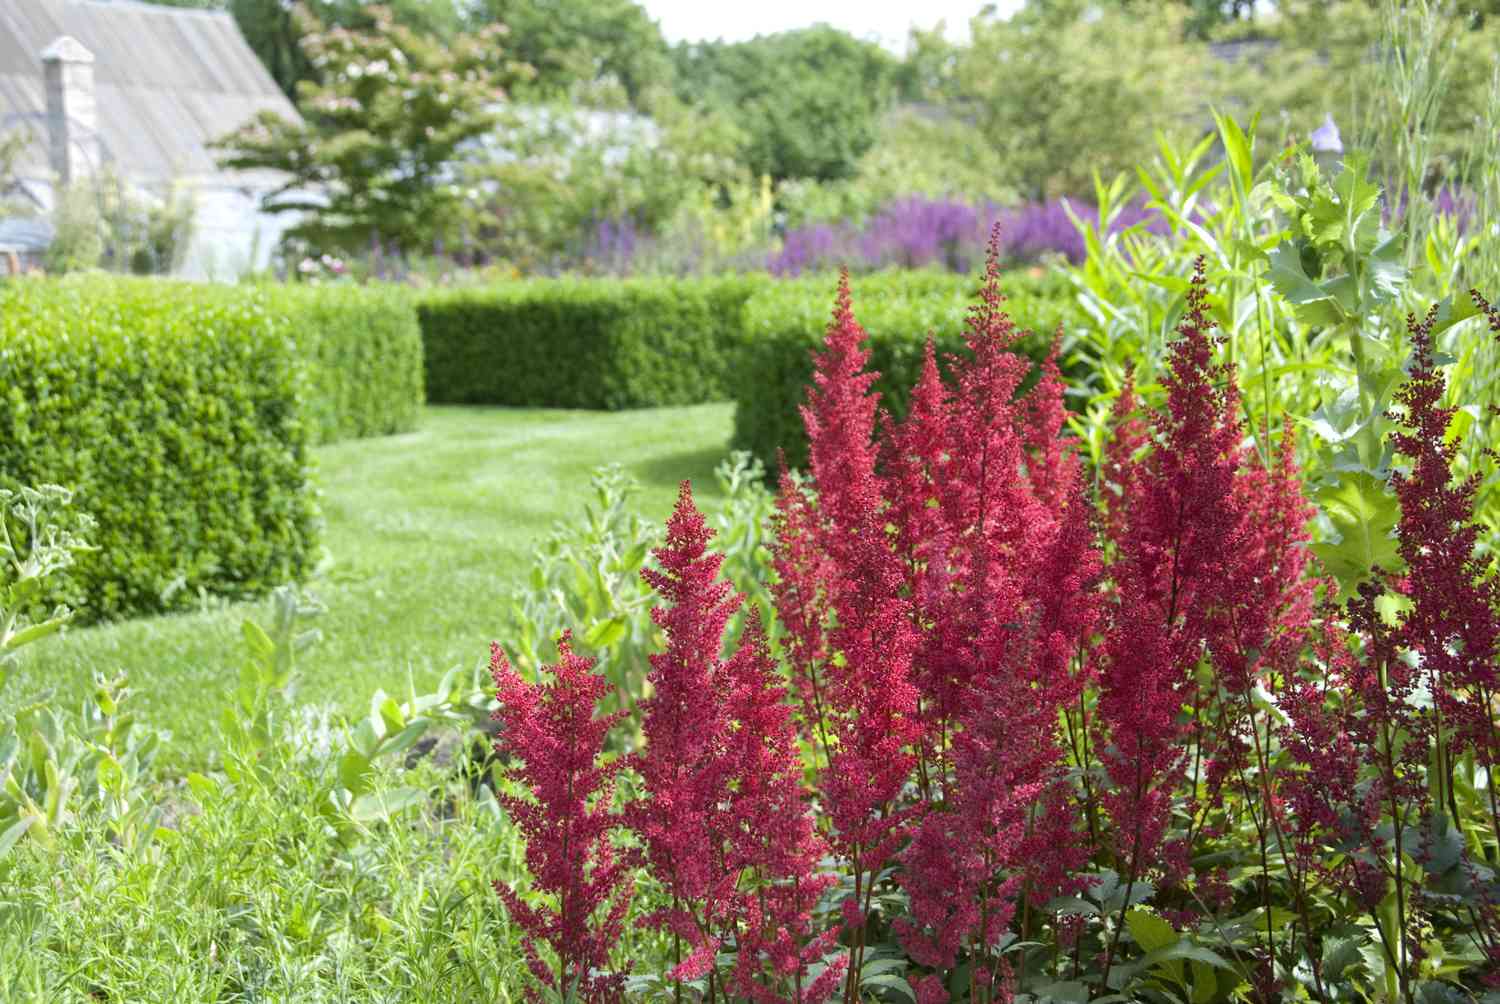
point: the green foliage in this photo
(1065, 88)
(179, 431)
(52, 772)
(426, 533)
(584, 344)
(809, 100)
(281, 874)
(372, 155)
(363, 352)
(1395, 76)
(37, 541)
(12, 144)
(583, 41)
(261, 716)
(77, 240)
(273, 29)
(104, 222)
(587, 578)
(916, 152)
(564, 168)
(787, 320)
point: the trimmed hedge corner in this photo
(363, 351)
(607, 344)
(787, 320)
(174, 412)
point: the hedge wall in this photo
(363, 350)
(569, 343)
(787, 319)
(174, 413)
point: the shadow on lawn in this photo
(696, 465)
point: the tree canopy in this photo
(374, 155)
(809, 100)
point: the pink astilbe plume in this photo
(567, 822)
(774, 839)
(1052, 469)
(1117, 469)
(724, 821)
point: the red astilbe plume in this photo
(1451, 623)
(803, 577)
(872, 704)
(724, 820)
(773, 838)
(553, 732)
(1176, 535)
(997, 543)
(683, 769)
(1052, 469)
(1117, 468)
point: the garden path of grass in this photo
(428, 532)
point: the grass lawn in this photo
(428, 532)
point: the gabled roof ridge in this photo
(155, 8)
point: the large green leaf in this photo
(1364, 513)
(1150, 931)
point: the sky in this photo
(885, 21)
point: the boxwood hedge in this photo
(174, 412)
(786, 321)
(363, 351)
(592, 343)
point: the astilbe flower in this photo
(803, 574)
(724, 823)
(552, 730)
(1451, 623)
(1117, 468)
(871, 703)
(1356, 782)
(991, 521)
(1174, 540)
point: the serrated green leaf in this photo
(1364, 513)
(1150, 931)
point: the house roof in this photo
(167, 80)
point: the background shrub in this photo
(787, 319)
(363, 351)
(584, 344)
(179, 430)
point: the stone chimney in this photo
(72, 115)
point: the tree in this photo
(809, 100)
(585, 41)
(1067, 87)
(274, 33)
(374, 156)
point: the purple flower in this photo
(816, 246)
(915, 232)
(612, 245)
(1326, 139)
